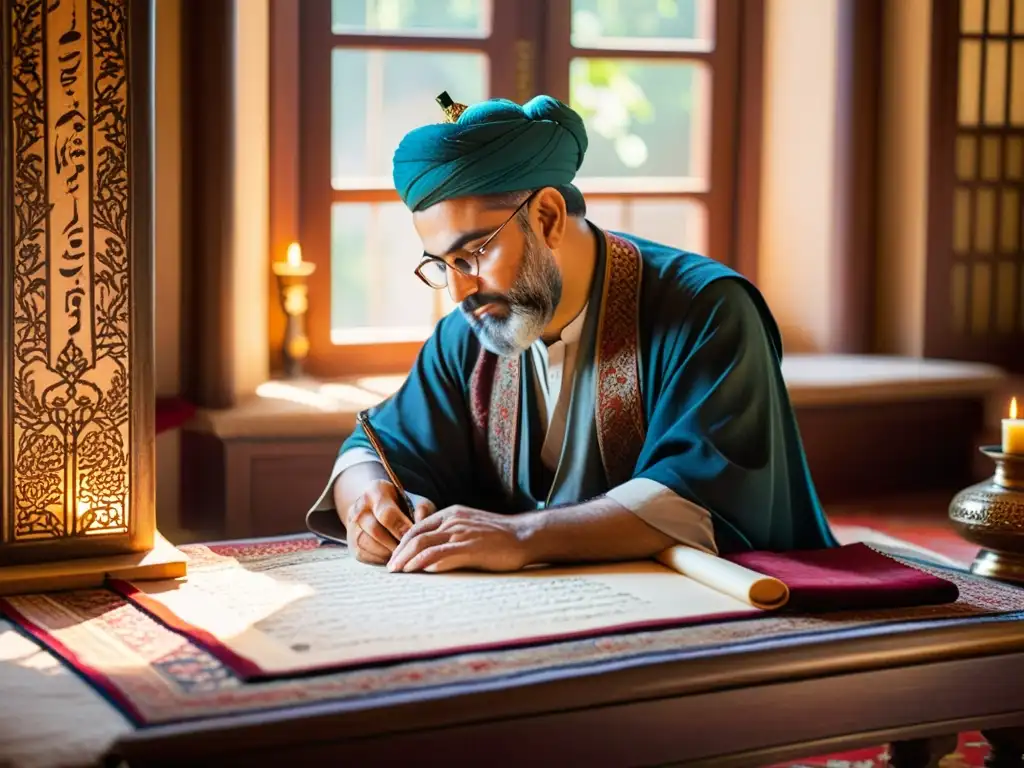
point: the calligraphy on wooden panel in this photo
(70, 303)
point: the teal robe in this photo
(720, 430)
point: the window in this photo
(655, 80)
(976, 260)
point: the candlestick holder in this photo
(294, 293)
(991, 515)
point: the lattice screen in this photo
(987, 278)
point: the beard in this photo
(518, 318)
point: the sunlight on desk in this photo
(225, 598)
(332, 396)
(23, 652)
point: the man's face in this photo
(518, 284)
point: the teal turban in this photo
(495, 146)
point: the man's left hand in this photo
(463, 538)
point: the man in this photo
(596, 397)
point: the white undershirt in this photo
(555, 363)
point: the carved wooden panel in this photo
(976, 250)
(77, 297)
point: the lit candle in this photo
(294, 255)
(1013, 431)
(293, 266)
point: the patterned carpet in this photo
(971, 751)
(934, 533)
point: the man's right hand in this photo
(375, 523)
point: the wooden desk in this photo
(748, 707)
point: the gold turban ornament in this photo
(451, 109)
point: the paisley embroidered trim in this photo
(480, 385)
(494, 406)
(503, 420)
(618, 408)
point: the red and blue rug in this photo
(154, 674)
(971, 751)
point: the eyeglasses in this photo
(433, 270)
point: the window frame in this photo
(723, 127)
(529, 44)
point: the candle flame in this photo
(294, 255)
(1013, 408)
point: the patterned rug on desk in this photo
(155, 675)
